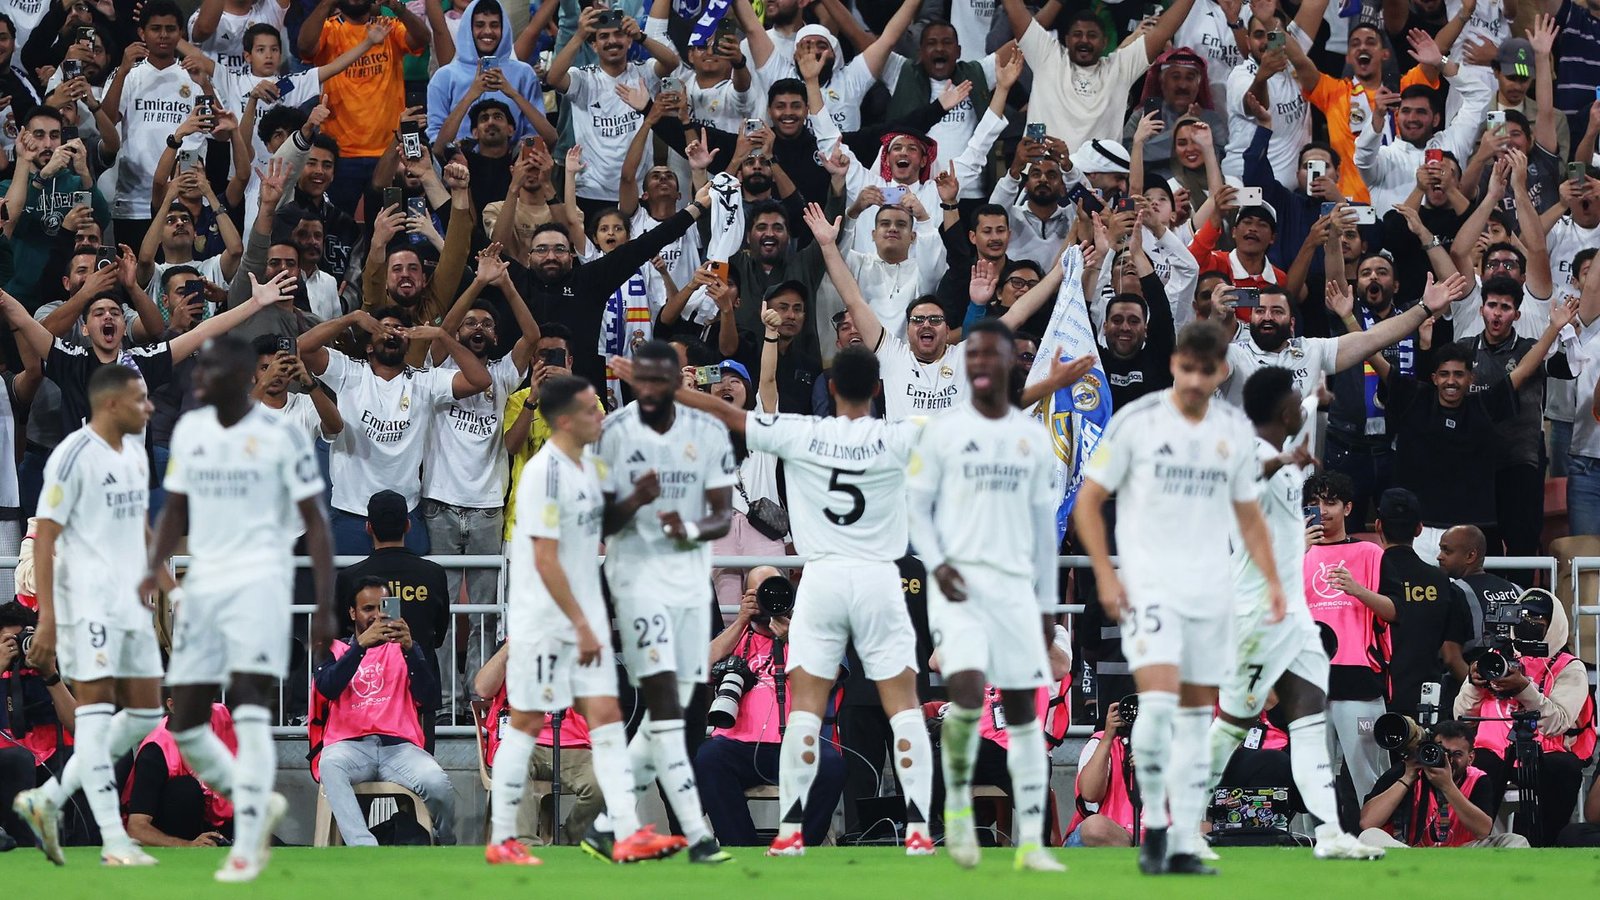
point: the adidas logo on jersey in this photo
(971, 447)
(636, 457)
(109, 479)
(1166, 450)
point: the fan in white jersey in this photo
(1287, 656)
(240, 483)
(88, 550)
(314, 413)
(1182, 468)
(553, 608)
(983, 520)
(847, 512)
(923, 374)
(676, 466)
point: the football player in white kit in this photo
(1286, 656)
(554, 607)
(1182, 467)
(669, 476)
(241, 483)
(847, 511)
(88, 552)
(983, 520)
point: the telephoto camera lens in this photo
(1493, 664)
(1431, 755)
(1128, 708)
(775, 596)
(731, 676)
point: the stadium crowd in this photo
(456, 204)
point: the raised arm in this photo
(1166, 27)
(1436, 298)
(826, 234)
(761, 46)
(311, 29)
(877, 52)
(1533, 360)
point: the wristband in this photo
(173, 142)
(740, 65)
(949, 206)
(52, 680)
(768, 340)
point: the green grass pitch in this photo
(421, 873)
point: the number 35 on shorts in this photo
(1143, 620)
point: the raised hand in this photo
(278, 289)
(824, 231)
(953, 94)
(948, 184)
(635, 94)
(491, 266)
(984, 282)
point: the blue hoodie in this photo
(452, 82)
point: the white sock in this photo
(1151, 743)
(131, 726)
(677, 776)
(1187, 769)
(254, 771)
(208, 756)
(509, 777)
(1030, 781)
(958, 749)
(614, 773)
(1313, 770)
(797, 769)
(91, 761)
(641, 754)
(913, 765)
(1225, 737)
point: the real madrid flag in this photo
(1078, 413)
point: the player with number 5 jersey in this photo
(846, 480)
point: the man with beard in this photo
(47, 214)
(390, 408)
(560, 288)
(1033, 194)
(844, 85)
(1448, 442)
(369, 98)
(465, 474)
(490, 155)
(1358, 441)
(1389, 170)
(923, 374)
(395, 275)
(938, 65)
(603, 122)
(1349, 104)
(1078, 91)
(987, 240)
(668, 489)
(173, 235)
(71, 363)
(1310, 359)
(305, 235)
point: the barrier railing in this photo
(294, 691)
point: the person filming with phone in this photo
(364, 724)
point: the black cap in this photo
(798, 287)
(1539, 601)
(1399, 506)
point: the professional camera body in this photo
(1510, 630)
(1414, 737)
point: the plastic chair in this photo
(327, 830)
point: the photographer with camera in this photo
(1446, 803)
(1535, 715)
(749, 713)
(35, 712)
(1108, 797)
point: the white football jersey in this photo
(1283, 506)
(1176, 482)
(100, 496)
(466, 462)
(915, 388)
(985, 476)
(694, 456)
(846, 481)
(1308, 358)
(386, 425)
(243, 483)
(561, 500)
